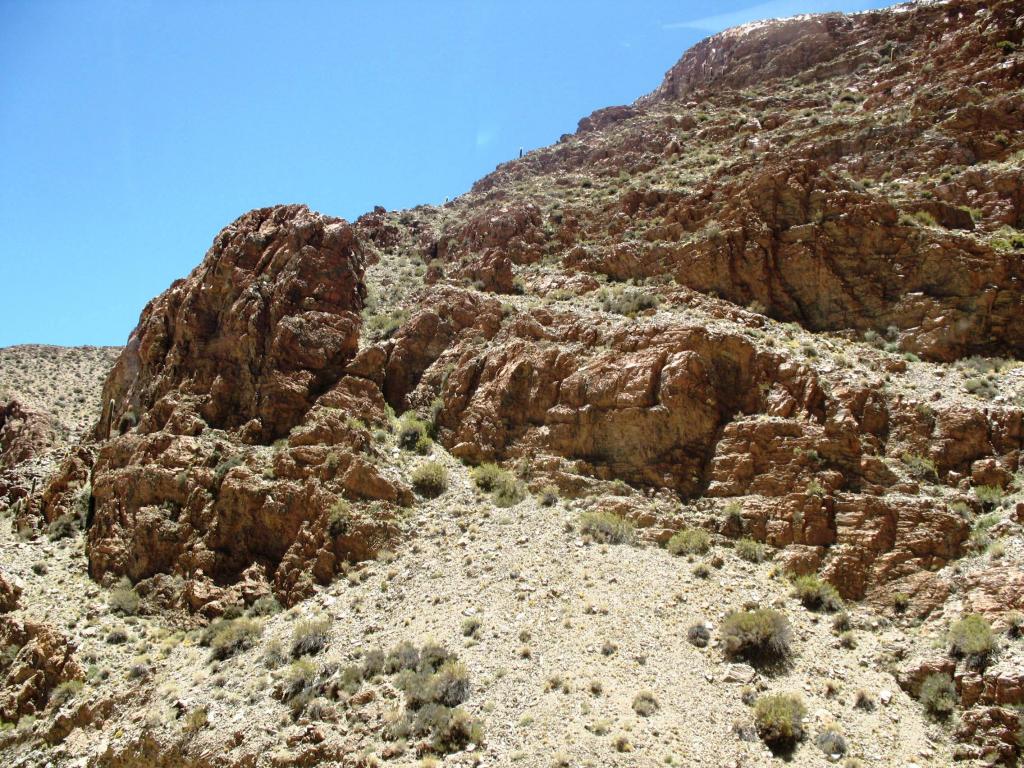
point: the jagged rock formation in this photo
(754, 301)
(253, 347)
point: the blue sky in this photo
(132, 132)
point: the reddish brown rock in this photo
(257, 331)
(10, 592)
(990, 733)
(24, 433)
(44, 660)
(254, 344)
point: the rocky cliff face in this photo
(780, 298)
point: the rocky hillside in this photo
(694, 438)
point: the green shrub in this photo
(430, 479)
(606, 527)
(338, 518)
(689, 541)
(549, 495)
(123, 599)
(310, 636)
(234, 636)
(972, 638)
(405, 655)
(815, 594)
(626, 301)
(298, 685)
(761, 636)
(921, 466)
(779, 719)
(644, 704)
(901, 602)
(505, 489)
(450, 684)
(750, 550)
(989, 495)
(265, 606)
(486, 476)
(65, 692)
(938, 695)
(413, 434)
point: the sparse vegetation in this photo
(689, 541)
(761, 636)
(644, 704)
(430, 479)
(972, 639)
(779, 719)
(310, 636)
(414, 434)
(815, 594)
(227, 638)
(505, 489)
(606, 527)
(938, 695)
(123, 599)
(750, 550)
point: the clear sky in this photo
(132, 132)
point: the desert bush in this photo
(471, 626)
(644, 704)
(702, 571)
(310, 636)
(267, 605)
(338, 518)
(750, 550)
(900, 602)
(627, 301)
(486, 476)
(1014, 624)
(505, 489)
(761, 636)
(779, 719)
(430, 479)
(455, 730)
(413, 434)
(65, 692)
(273, 655)
(864, 700)
(841, 622)
(848, 640)
(405, 655)
(698, 635)
(298, 685)
(606, 527)
(549, 495)
(233, 636)
(689, 541)
(450, 685)
(831, 741)
(972, 639)
(815, 594)
(64, 527)
(123, 599)
(938, 695)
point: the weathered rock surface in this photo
(45, 658)
(252, 347)
(24, 433)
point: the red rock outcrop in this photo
(254, 345)
(45, 658)
(24, 433)
(10, 592)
